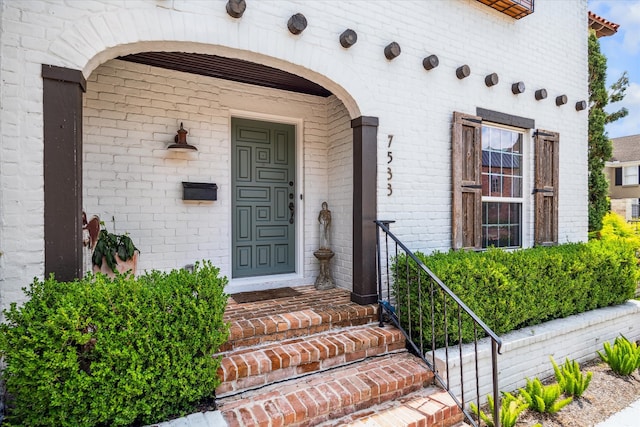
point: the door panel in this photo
(243, 256)
(271, 232)
(263, 204)
(281, 254)
(280, 204)
(243, 167)
(271, 175)
(243, 224)
(252, 194)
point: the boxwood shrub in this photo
(509, 290)
(113, 352)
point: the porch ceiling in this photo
(236, 70)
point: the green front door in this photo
(264, 203)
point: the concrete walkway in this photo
(628, 417)
(199, 419)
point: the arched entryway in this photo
(349, 186)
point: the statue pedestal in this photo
(324, 280)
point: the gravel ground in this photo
(607, 394)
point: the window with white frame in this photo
(488, 180)
(630, 175)
(502, 160)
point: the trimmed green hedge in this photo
(102, 352)
(509, 290)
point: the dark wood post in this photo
(62, 102)
(365, 154)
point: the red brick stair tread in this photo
(430, 406)
(249, 368)
(258, 330)
(308, 298)
(328, 395)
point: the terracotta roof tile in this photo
(602, 26)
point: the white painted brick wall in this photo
(340, 190)
(134, 184)
(545, 50)
(525, 353)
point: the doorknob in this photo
(292, 208)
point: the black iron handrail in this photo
(396, 271)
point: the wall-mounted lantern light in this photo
(581, 105)
(180, 141)
(561, 100)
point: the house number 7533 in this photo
(389, 172)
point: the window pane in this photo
(516, 187)
(501, 224)
(630, 176)
(501, 163)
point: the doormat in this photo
(245, 297)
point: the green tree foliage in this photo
(599, 144)
(616, 228)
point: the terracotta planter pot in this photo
(121, 266)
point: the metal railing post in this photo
(379, 250)
(496, 391)
(400, 311)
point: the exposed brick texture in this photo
(132, 112)
(337, 375)
(290, 358)
(323, 396)
(576, 337)
(428, 407)
(526, 351)
(274, 320)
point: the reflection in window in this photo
(501, 187)
(496, 184)
(501, 224)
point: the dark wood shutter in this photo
(618, 176)
(466, 141)
(546, 187)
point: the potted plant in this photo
(114, 253)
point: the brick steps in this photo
(276, 327)
(248, 368)
(429, 406)
(328, 395)
(316, 358)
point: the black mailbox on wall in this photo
(199, 191)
